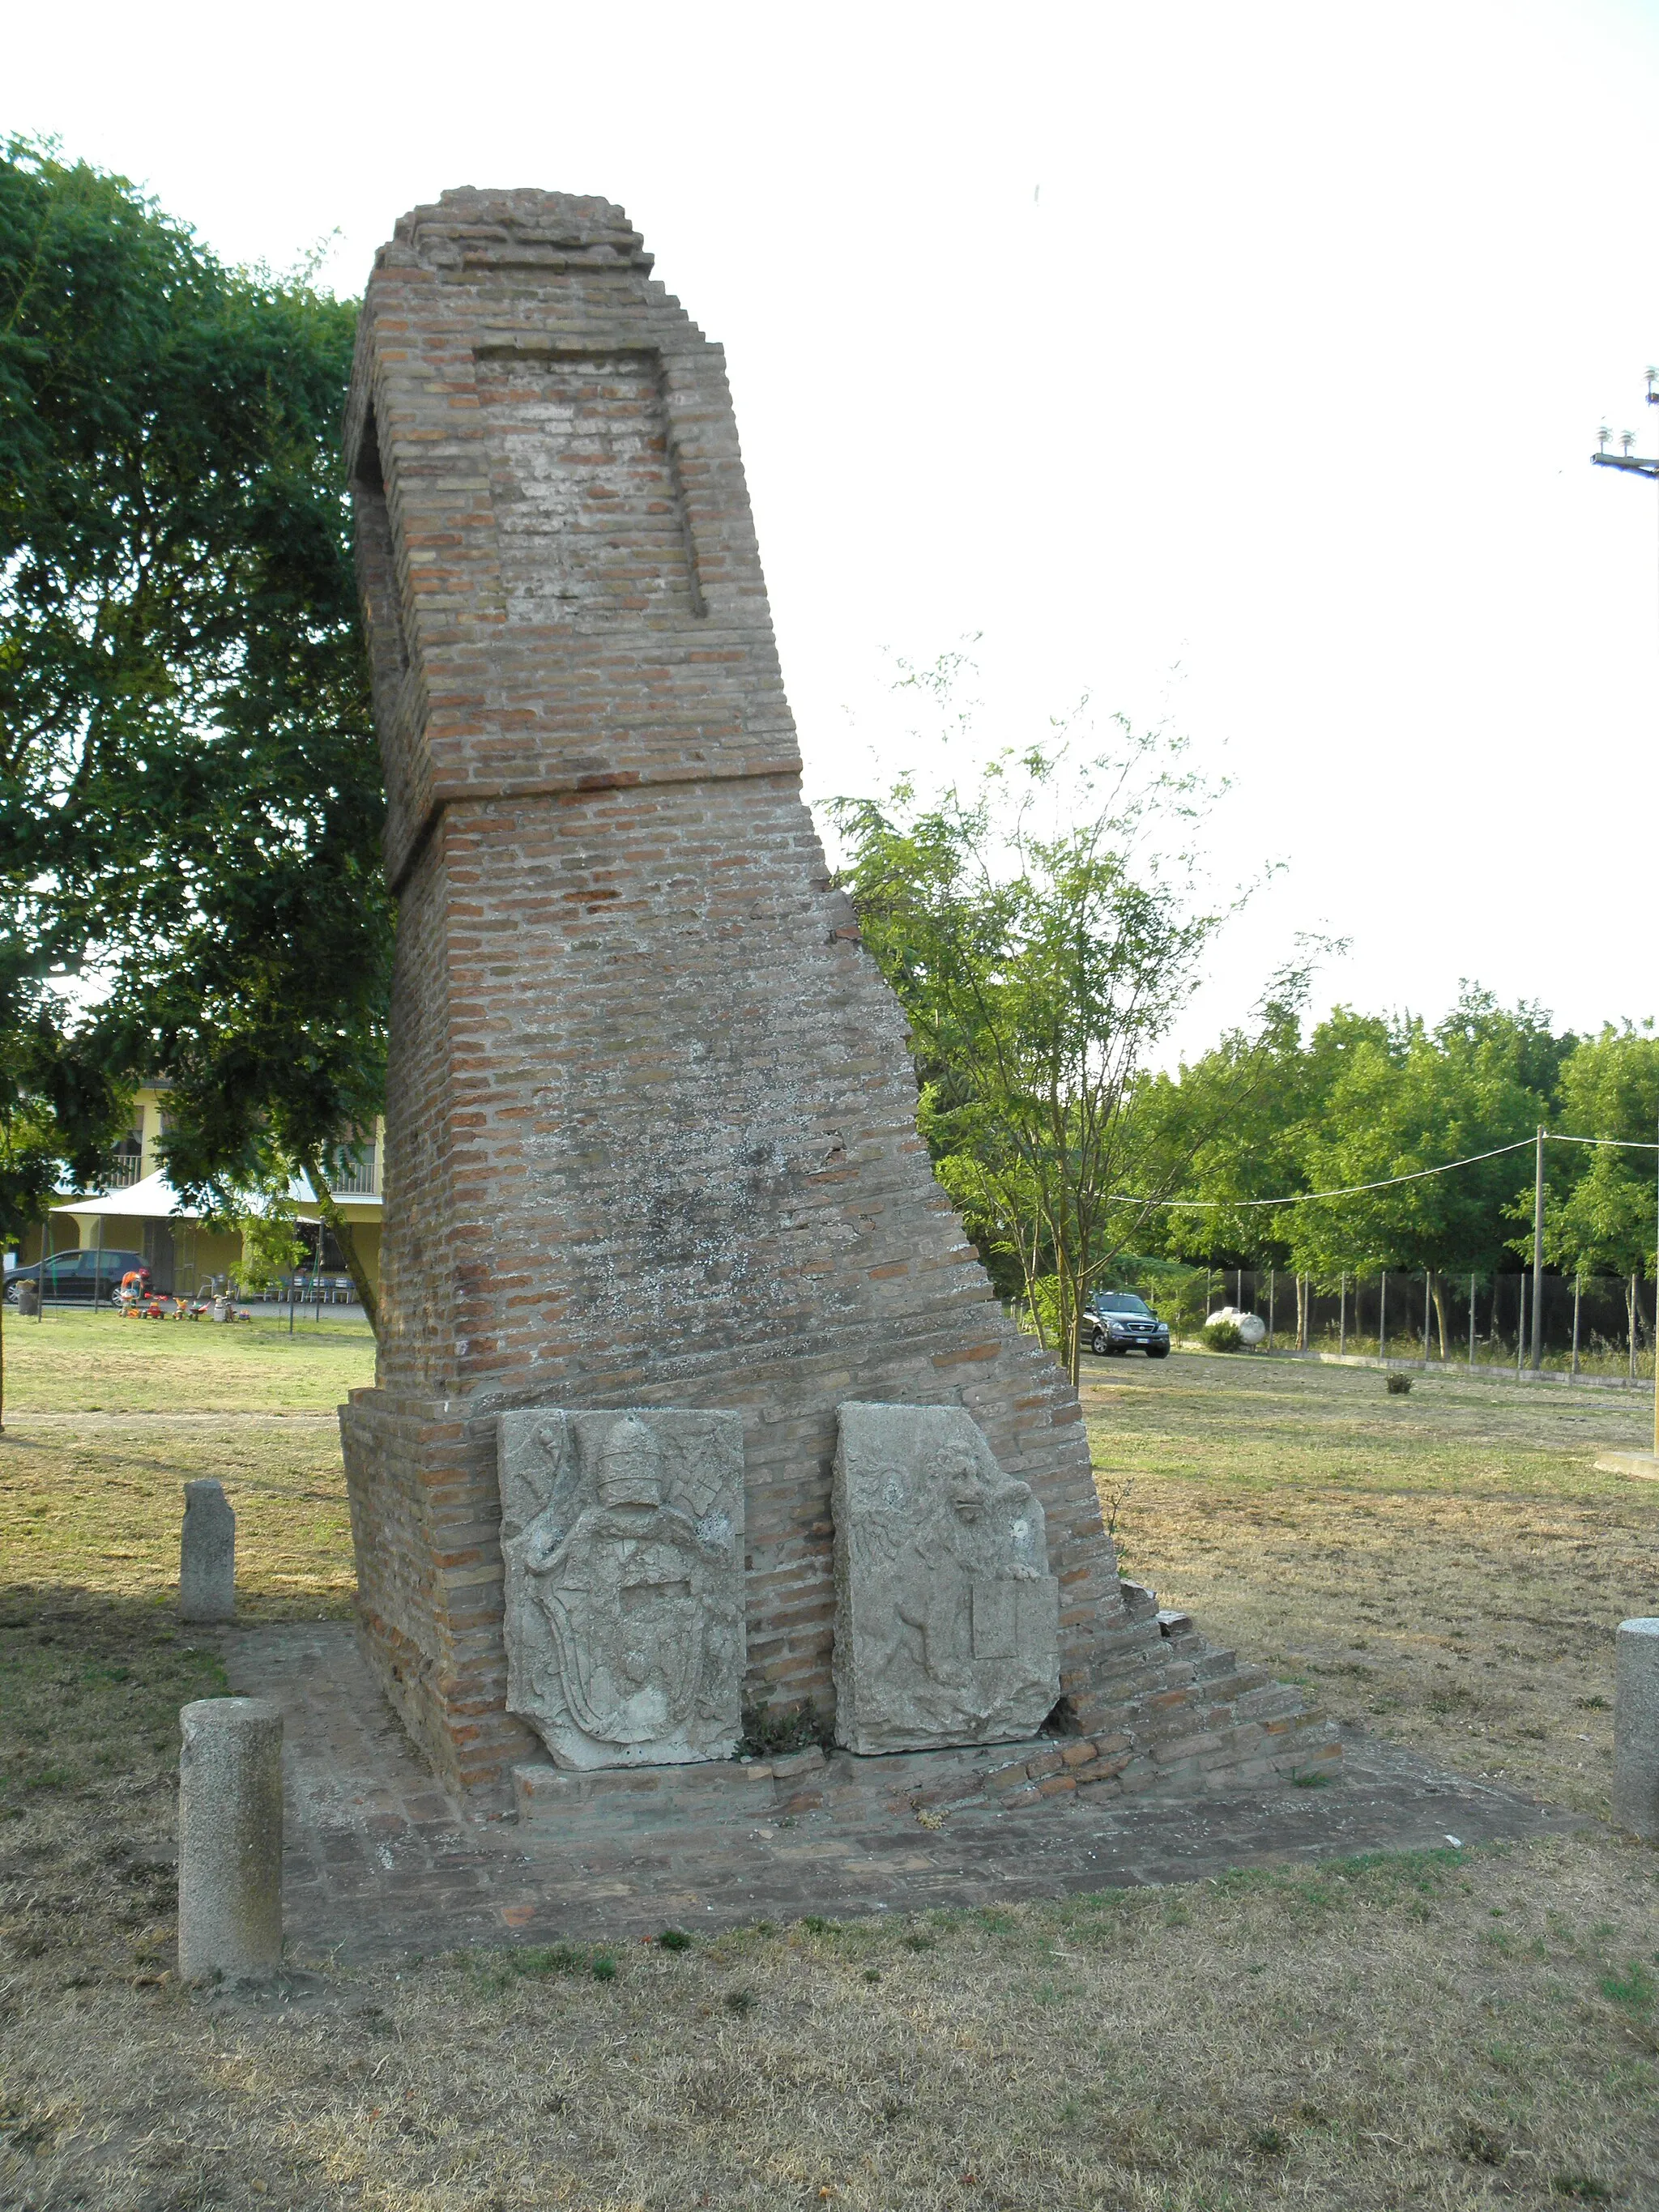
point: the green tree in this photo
(1413, 1099)
(1228, 1131)
(57, 1116)
(1365, 1100)
(189, 796)
(1600, 1207)
(271, 1246)
(1400, 1104)
(1041, 946)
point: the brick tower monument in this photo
(651, 1121)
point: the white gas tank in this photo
(1252, 1329)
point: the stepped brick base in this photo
(1211, 1727)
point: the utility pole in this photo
(1637, 466)
(1538, 1258)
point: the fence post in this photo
(1383, 1319)
(1342, 1321)
(1521, 1329)
(1630, 1330)
(1426, 1319)
(1471, 1324)
(1636, 1728)
(1578, 1287)
(1270, 1309)
(1538, 1259)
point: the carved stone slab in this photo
(622, 1535)
(947, 1618)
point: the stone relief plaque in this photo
(623, 1535)
(947, 1618)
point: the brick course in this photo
(651, 1119)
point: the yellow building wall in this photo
(198, 1252)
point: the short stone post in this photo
(1636, 1730)
(230, 1839)
(207, 1555)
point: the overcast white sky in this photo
(1237, 365)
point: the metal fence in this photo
(1601, 1326)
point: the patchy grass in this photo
(76, 1361)
(1422, 2028)
(90, 1690)
(1449, 2028)
(1447, 1569)
(96, 1509)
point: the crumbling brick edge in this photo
(1201, 1724)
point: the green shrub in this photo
(1399, 1386)
(767, 1735)
(1222, 1336)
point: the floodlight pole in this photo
(1636, 466)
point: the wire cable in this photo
(1626, 1144)
(1387, 1183)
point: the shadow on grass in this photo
(90, 1688)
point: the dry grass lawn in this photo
(1452, 2029)
(1448, 1568)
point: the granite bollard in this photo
(207, 1554)
(1636, 1730)
(230, 1839)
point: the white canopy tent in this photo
(153, 1199)
(156, 1199)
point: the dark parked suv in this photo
(89, 1276)
(1119, 1322)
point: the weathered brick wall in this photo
(651, 1124)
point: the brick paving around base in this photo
(380, 1861)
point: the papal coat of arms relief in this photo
(623, 1536)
